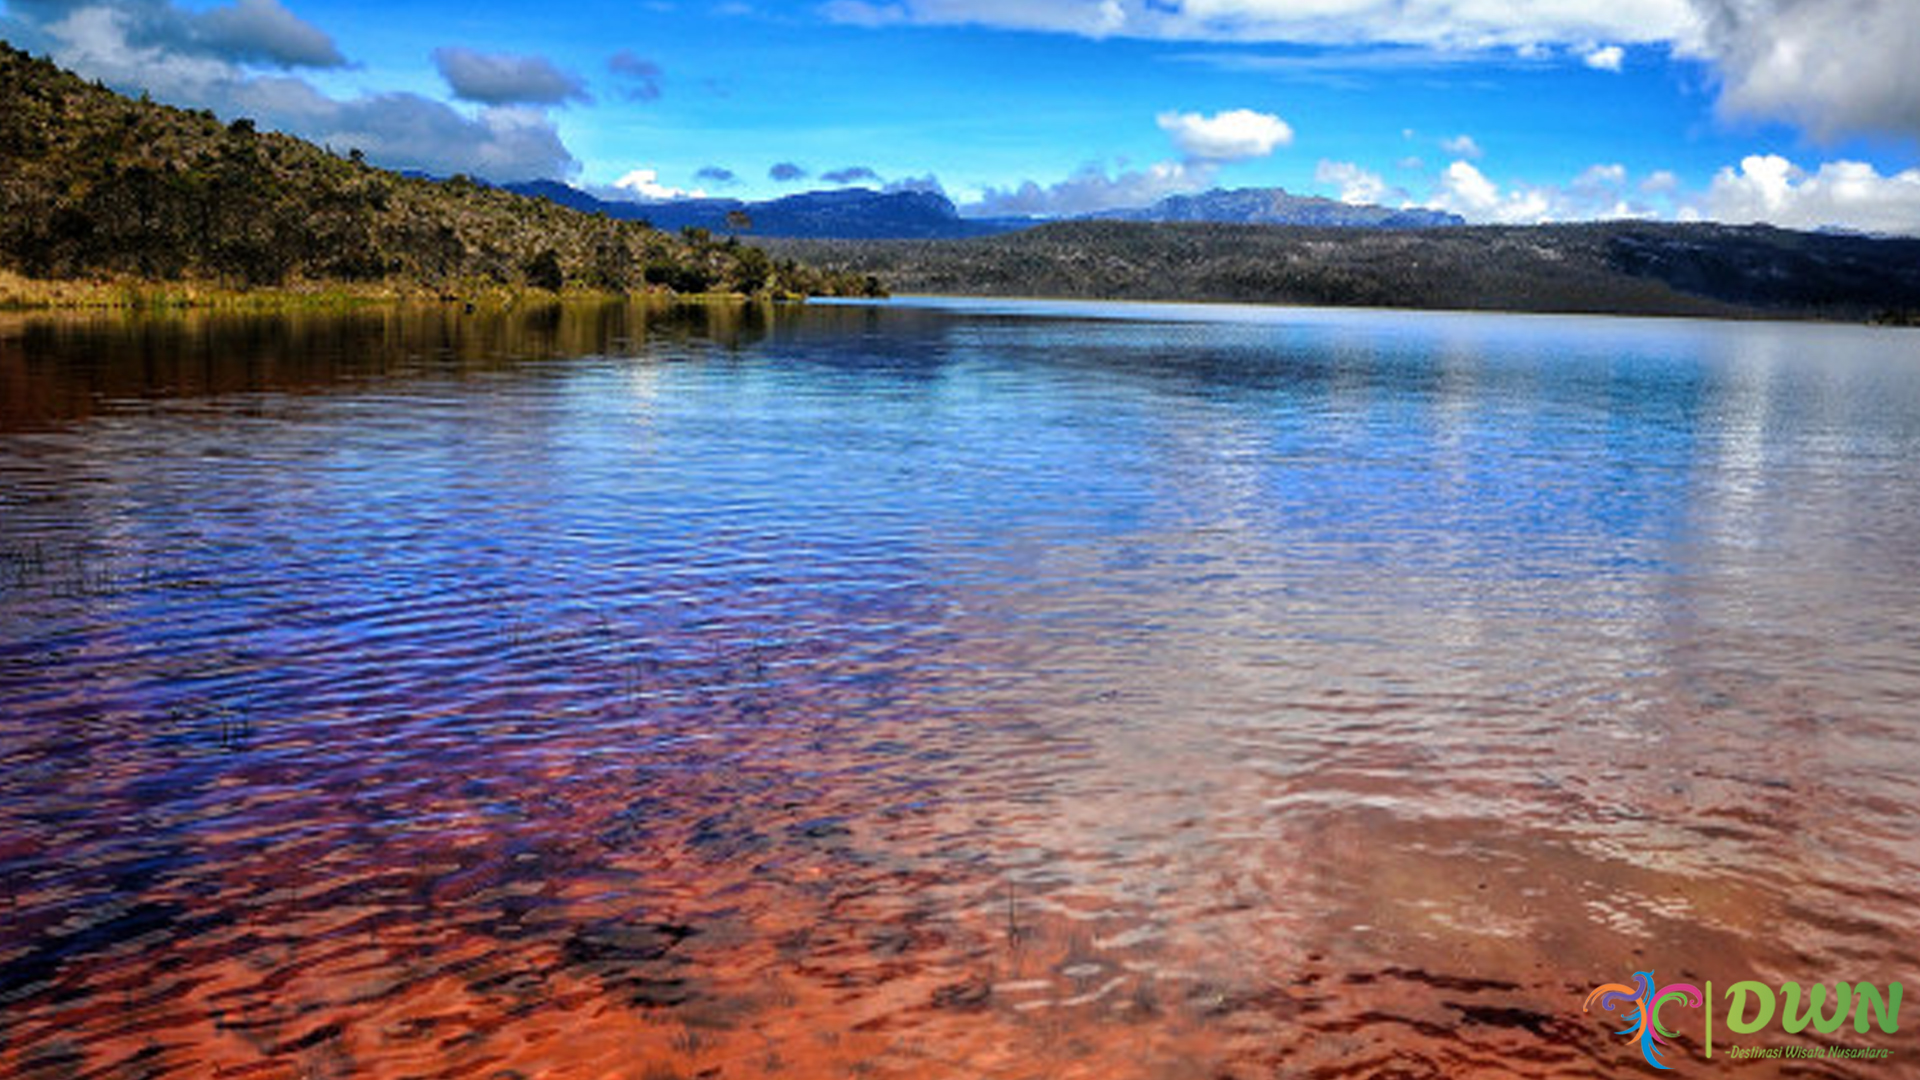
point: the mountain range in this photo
(1275, 206)
(845, 213)
(866, 214)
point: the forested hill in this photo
(1604, 267)
(94, 184)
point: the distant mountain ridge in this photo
(866, 214)
(844, 213)
(1276, 206)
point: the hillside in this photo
(1607, 267)
(93, 184)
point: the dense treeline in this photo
(1606, 267)
(93, 183)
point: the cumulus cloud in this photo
(1598, 192)
(140, 45)
(1092, 189)
(1844, 194)
(1764, 189)
(1356, 185)
(1832, 66)
(258, 32)
(852, 174)
(506, 78)
(1660, 182)
(407, 131)
(1234, 135)
(645, 184)
(786, 172)
(640, 77)
(1598, 178)
(714, 174)
(1605, 58)
(261, 31)
(1460, 146)
(1206, 143)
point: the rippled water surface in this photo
(946, 690)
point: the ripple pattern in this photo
(943, 690)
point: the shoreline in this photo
(908, 299)
(20, 294)
(24, 295)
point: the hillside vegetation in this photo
(93, 184)
(1607, 267)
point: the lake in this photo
(947, 688)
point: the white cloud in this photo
(407, 131)
(1845, 194)
(256, 32)
(1448, 23)
(1091, 189)
(645, 184)
(263, 31)
(1832, 66)
(1092, 18)
(1466, 191)
(1207, 142)
(1356, 185)
(1460, 146)
(1600, 178)
(861, 13)
(1765, 189)
(1234, 135)
(1606, 58)
(1598, 192)
(138, 46)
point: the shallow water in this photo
(946, 689)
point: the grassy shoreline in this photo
(19, 293)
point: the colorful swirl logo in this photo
(1644, 1024)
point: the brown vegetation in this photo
(95, 187)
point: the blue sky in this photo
(1798, 112)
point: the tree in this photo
(543, 271)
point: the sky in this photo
(1800, 113)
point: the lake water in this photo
(946, 689)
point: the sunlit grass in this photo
(19, 293)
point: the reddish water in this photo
(947, 693)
